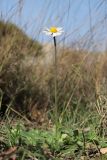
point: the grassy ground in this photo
(23, 140)
(28, 127)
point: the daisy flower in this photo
(53, 31)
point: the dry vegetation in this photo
(27, 91)
(27, 82)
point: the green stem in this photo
(56, 105)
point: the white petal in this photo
(47, 29)
(47, 33)
(60, 31)
(56, 34)
(59, 28)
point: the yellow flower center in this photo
(53, 29)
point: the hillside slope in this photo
(16, 77)
(27, 75)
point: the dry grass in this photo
(26, 77)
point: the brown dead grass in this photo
(28, 81)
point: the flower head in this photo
(53, 31)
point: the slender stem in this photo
(84, 142)
(56, 105)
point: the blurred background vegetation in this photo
(27, 73)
